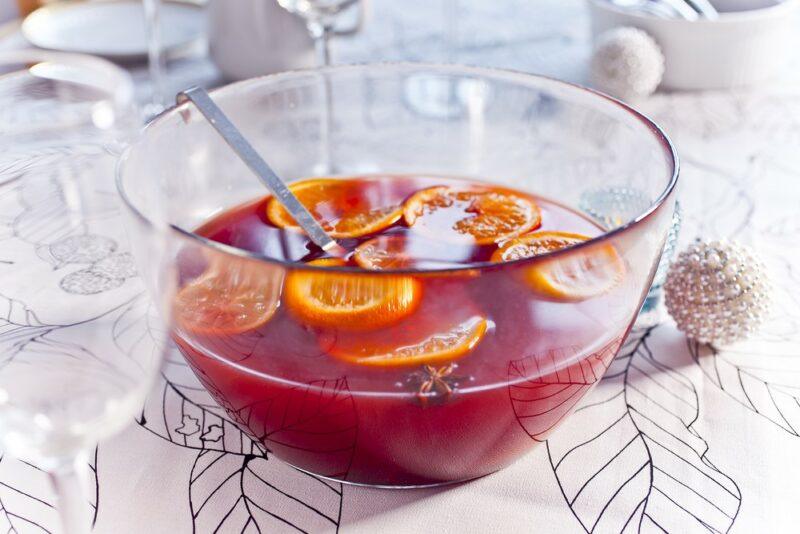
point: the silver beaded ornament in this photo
(717, 292)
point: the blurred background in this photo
(207, 42)
(251, 37)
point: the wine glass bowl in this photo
(286, 377)
(64, 119)
(320, 17)
(316, 9)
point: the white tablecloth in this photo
(676, 438)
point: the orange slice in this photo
(229, 300)
(346, 208)
(574, 277)
(439, 347)
(486, 215)
(384, 252)
(447, 326)
(350, 301)
(394, 252)
(535, 244)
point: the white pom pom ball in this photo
(627, 63)
(717, 292)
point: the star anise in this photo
(435, 383)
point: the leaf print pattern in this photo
(234, 485)
(18, 325)
(23, 508)
(768, 386)
(26, 500)
(175, 411)
(634, 461)
(317, 420)
(762, 373)
(250, 494)
(541, 402)
(21, 161)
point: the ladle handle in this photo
(201, 99)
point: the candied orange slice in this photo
(394, 252)
(351, 301)
(437, 347)
(384, 252)
(574, 277)
(535, 244)
(487, 215)
(229, 300)
(446, 326)
(346, 208)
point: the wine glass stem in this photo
(155, 52)
(321, 31)
(451, 29)
(72, 505)
(321, 34)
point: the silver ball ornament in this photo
(627, 63)
(717, 292)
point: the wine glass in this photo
(69, 374)
(320, 16)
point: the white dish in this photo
(749, 43)
(111, 28)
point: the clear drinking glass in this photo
(68, 375)
(279, 381)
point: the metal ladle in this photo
(223, 125)
(681, 9)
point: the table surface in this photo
(675, 438)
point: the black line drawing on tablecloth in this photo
(234, 483)
(241, 493)
(632, 460)
(542, 402)
(22, 507)
(23, 338)
(26, 502)
(297, 419)
(21, 161)
(18, 325)
(54, 212)
(36, 211)
(763, 373)
(94, 483)
(232, 474)
(760, 386)
(52, 203)
(733, 207)
(107, 272)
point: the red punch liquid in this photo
(412, 378)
